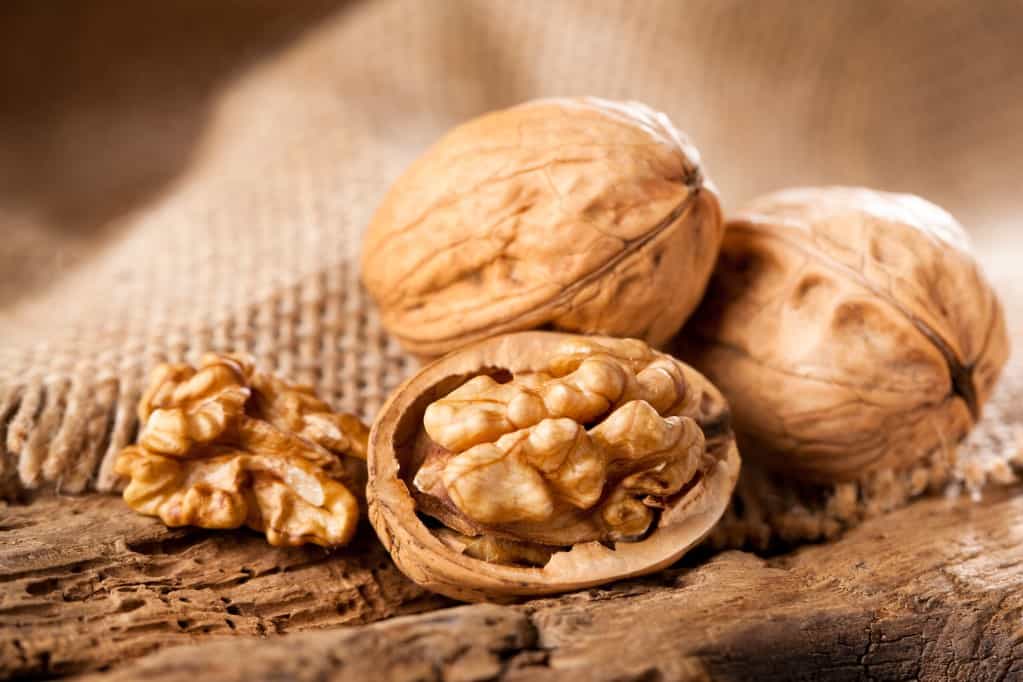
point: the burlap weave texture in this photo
(196, 176)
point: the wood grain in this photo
(887, 602)
(100, 165)
(85, 583)
(931, 592)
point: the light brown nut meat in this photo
(581, 215)
(553, 462)
(223, 445)
(851, 331)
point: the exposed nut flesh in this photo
(537, 463)
(224, 445)
(583, 451)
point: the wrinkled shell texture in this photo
(578, 215)
(223, 445)
(851, 331)
(577, 442)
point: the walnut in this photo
(223, 445)
(579, 215)
(537, 462)
(851, 331)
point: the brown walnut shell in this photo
(641, 427)
(850, 329)
(578, 215)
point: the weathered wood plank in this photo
(85, 583)
(934, 592)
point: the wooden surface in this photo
(86, 583)
(920, 97)
(934, 591)
(931, 592)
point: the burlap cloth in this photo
(186, 176)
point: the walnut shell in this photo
(537, 462)
(579, 215)
(850, 330)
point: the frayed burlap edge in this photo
(63, 430)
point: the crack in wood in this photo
(877, 604)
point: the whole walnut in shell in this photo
(223, 445)
(537, 462)
(850, 330)
(578, 215)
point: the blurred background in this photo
(113, 111)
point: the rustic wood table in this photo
(124, 122)
(934, 591)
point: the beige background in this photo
(189, 175)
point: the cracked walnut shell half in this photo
(536, 463)
(579, 215)
(223, 445)
(851, 331)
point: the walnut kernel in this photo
(224, 445)
(550, 462)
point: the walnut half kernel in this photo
(536, 463)
(223, 445)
